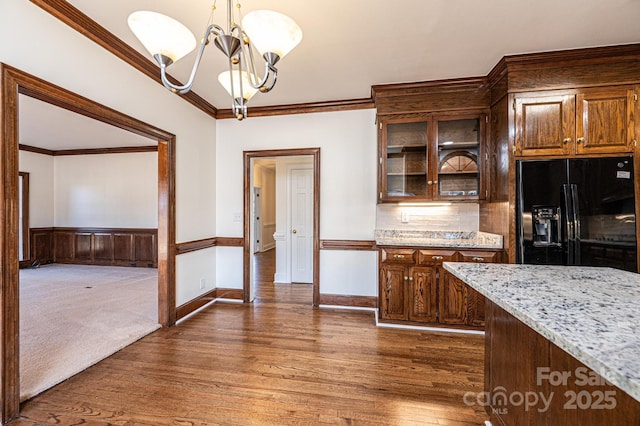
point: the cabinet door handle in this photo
(410, 278)
(580, 140)
(437, 257)
(477, 259)
(398, 256)
(429, 182)
(406, 278)
(566, 140)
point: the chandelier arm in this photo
(211, 29)
(247, 51)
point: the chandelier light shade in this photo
(272, 34)
(241, 84)
(162, 35)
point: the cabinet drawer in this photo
(433, 257)
(480, 256)
(399, 255)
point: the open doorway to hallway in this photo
(281, 223)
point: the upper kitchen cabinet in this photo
(459, 144)
(581, 122)
(431, 157)
(431, 138)
(404, 160)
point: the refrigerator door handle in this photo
(568, 219)
(576, 223)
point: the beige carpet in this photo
(72, 316)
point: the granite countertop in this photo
(456, 239)
(591, 313)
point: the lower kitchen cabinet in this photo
(414, 288)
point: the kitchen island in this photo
(562, 343)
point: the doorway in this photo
(310, 219)
(15, 82)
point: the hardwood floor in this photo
(274, 362)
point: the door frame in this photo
(248, 193)
(14, 82)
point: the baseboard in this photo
(348, 300)
(208, 297)
(269, 246)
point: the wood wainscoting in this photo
(96, 246)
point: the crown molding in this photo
(303, 108)
(89, 151)
(73, 17)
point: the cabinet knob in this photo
(580, 140)
(406, 278)
(429, 182)
(437, 257)
(410, 278)
(398, 256)
(477, 259)
(566, 140)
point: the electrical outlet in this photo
(404, 217)
(202, 283)
(237, 216)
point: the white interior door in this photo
(301, 225)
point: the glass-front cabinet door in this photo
(404, 165)
(431, 157)
(458, 158)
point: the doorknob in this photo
(294, 231)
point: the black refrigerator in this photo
(576, 212)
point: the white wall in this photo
(38, 43)
(106, 190)
(40, 169)
(348, 150)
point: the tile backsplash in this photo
(437, 217)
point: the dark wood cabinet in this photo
(393, 292)
(426, 157)
(588, 121)
(423, 293)
(414, 287)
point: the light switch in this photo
(237, 216)
(404, 217)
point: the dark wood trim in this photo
(195, 304)
(167, 231)
(447, 85)
(189, 246)
(229, 242)
(303, 108)
(248, 156)
(35, 149)
(95, 32)
(90, 151)
(115, 150)
(229, 293)
(15, 81)
(364, 245)
(346, 300)
(24, 226)
(9, 301)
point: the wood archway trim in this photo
(250, 155)
(14, 82)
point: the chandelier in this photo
(270, 33)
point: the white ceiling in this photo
(47, 126)
(350, 45)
